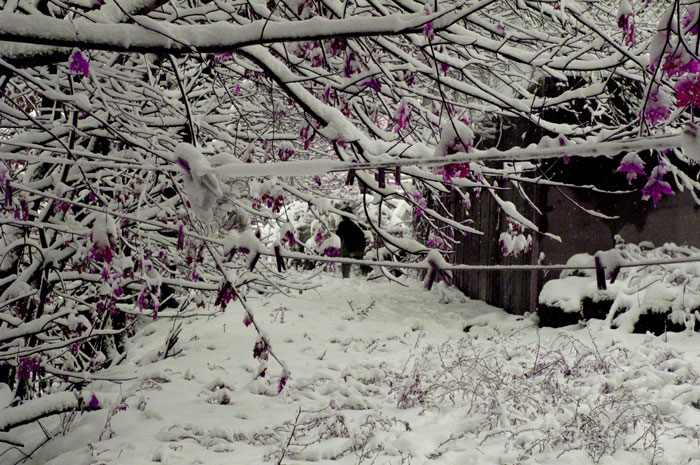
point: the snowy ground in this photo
(384, 374)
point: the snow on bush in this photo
(671, 291)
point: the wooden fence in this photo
(514, 291)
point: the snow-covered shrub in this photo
(562, 397)
(655, 297)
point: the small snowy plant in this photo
(200, 183)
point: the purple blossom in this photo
(374, 84)
(690, 18)
(688, 91)
(657, 107)
(632, 165)
(225, 295)
(288, 237)
(679, 62)
(75, 347)
(78, 64)
(352, 64)
(180, 236)
(625, 21)
(285, 153)
(28, 366)
(436, 242)
(656, 186)
(222, 57)
(421, 204)
(331, 252)
(401, 116)
(428, 28)
(261, 349)
(94, 403)
(306, 134)
(283, 382)
(453, 170)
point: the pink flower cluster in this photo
(78, 64)
(421, 204)
(656, 186)
(632, 165)
(401, 116)
(428, 28)
(224, 295)
(688, 91)
(625, 21)
(453, 170)
(220, 58)
(331, 252)
(352, 64)
(28, 366)
(657, 107)
(285, 153)
(306, 134)
(436, 242)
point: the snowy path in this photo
(395, 382)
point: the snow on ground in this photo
(384, 374)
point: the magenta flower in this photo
(436, 242)
(338, 45)
(285, 153)
(223, 57)
(28, 366)
(225, 295)
(94, 403)
(690, 18)
(374, 84)
(625, 21)
(352, 64)
(679, 62)
(288, 237)
(78, 64)
(428, 28)
(331, 252)
(421, 204)
(657, 107)
(261, 349)
(453, 170)
(401, 116)
(632, 165)
(656, 186)
(283, 381)
(688, 91)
